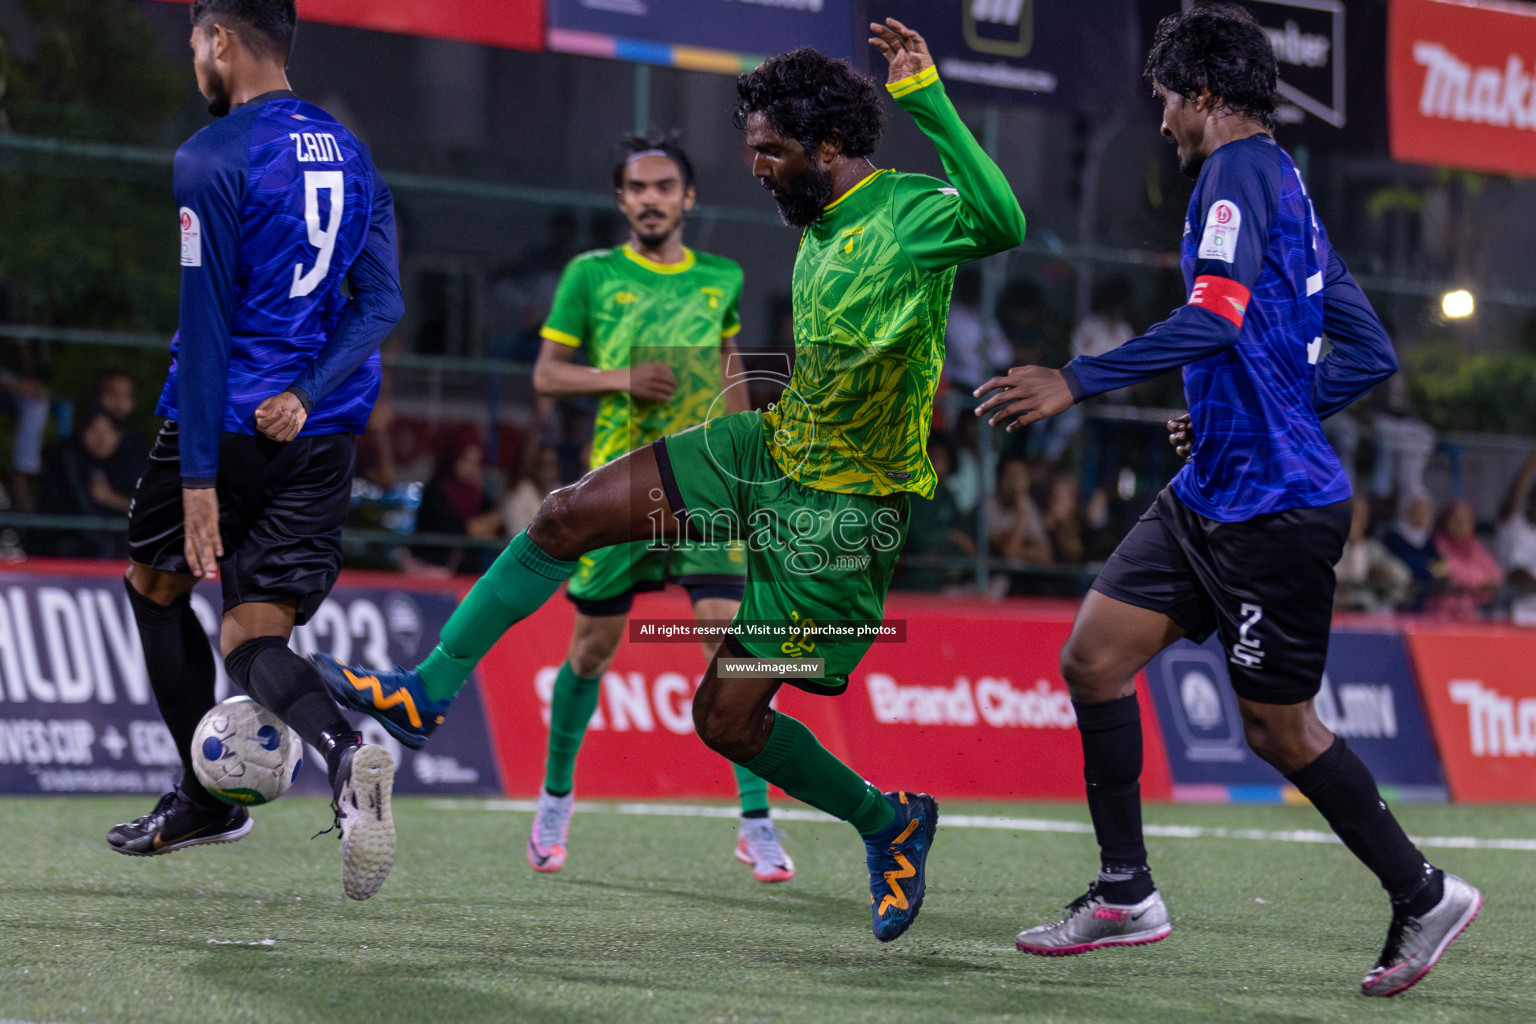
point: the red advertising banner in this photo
(1460, 84)
(512, 24)
(971, 705)
(1480, 694)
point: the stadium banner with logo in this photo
(1332, 58)
(77, 714)
(509, 24)
(969, 703)
(1368, 697)
(1083, 56)
(1480, 691)
(1462, 84)
(724, 36)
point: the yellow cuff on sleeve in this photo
(550, 334)
(731, 332)
(912, 83)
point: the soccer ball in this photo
(243, 754)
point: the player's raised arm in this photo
(1361, 356)
(979, 215)
(373, 310)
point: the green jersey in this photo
(871, 297)
(627, 310)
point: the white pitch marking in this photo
(998, 822)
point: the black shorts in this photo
(281, 507)
(1264, 586)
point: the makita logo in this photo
(995, 702)
(998, 12)
(1500, 725)
(1456, 91)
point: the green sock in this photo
(513, 588)
(570, 710)
(753, 791)
(795, 762)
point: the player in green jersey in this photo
(817, 485)
(656, 320)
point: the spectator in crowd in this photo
(115, 397)
(455, 501)
(90, 474)
(1471, 573)
(937, 529)
(1411, 539)
(974, 347)
(1064, 521)
(523, 499)
(1369, 577)
(25, 396)
(966, 479)
(1015, 528)
(1516, 538)
(1404, 444)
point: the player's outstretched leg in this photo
(1429, 907)
(1110, 642)
(180, 665)
(734, 719)
(758, 843)
(614, 503)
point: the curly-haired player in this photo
(819, 483)
(1243, 542)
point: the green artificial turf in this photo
(652, 920)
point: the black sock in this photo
(755, 814)
(1111, 735)
(289, 687)
(182, 675)
(1340, 786)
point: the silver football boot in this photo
(1093, 923)
(1415, 944)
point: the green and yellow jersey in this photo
(871, 296)
(626, 310)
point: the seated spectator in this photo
(455, 502)
(1015, 529)
(1411, 539)
(115, 397)
(1471, 574)
(24, 395)
(1370, 578)
(90, 474)
(1064, 522)
(1516, 538)
(524, 498)
(937, 529)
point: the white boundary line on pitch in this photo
(997, 822)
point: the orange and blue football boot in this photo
(897, 858)
(396, 699)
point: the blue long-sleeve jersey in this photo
(279, 205)
(1265, 287)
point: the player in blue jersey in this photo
(274, 370)
(1243, 542)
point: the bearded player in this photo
(656, 320)
(818, 484)
(275, 368)
(1243, 542)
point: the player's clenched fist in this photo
(281, 417)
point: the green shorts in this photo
(814, 557)
(606, 580)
